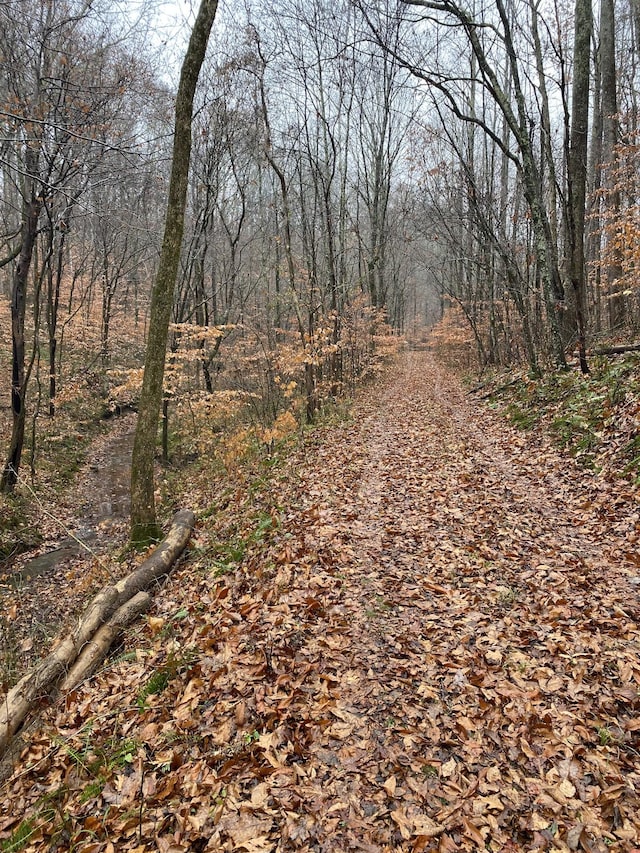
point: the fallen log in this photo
(617, 350)
(98, 646)
(501, 388)
(87, 645)
(498, 390)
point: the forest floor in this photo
(43, 590)
(418, 631)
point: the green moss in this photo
(145, 534)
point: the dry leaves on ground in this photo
(436, 648)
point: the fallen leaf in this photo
(390, 785)
(448, 768)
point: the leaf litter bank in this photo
(434, 646)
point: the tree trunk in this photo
(610, 133)
(593, 237)
(144, 526)
(577, 166)
(30, 216)
(53, 304)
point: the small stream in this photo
(107, 479)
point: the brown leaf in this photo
(448, 768)
(390, 785)
(247, 830)
(424, 826)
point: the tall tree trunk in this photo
(577, 166)
(593, 237)
(32, 207)
(53, 304)
(610, 132)
(144, 525)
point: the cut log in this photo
(98, 646)
(109, 609)
(159, 563)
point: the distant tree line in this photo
(527, 169)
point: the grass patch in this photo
(19, 837)
(45, 815)
(225, 557)
(92, 761)
(520, 417)
(593, 417)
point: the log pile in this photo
(81, 652)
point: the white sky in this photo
(171, 26)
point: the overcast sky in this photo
(171, 24)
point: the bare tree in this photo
(144, 525)
(53, 109)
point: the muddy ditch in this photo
(43, 591)
(101, 494)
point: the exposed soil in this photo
(43, 590)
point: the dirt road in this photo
(437, 649)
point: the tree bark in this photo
(98, 647)
(144, 526)
(32, 207)
(610, 138)
(577, 167)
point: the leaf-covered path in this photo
(437, 649)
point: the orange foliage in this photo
(452, 339)
(620, 224)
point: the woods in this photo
(527, 225)
(346, 171)
(278, 237)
